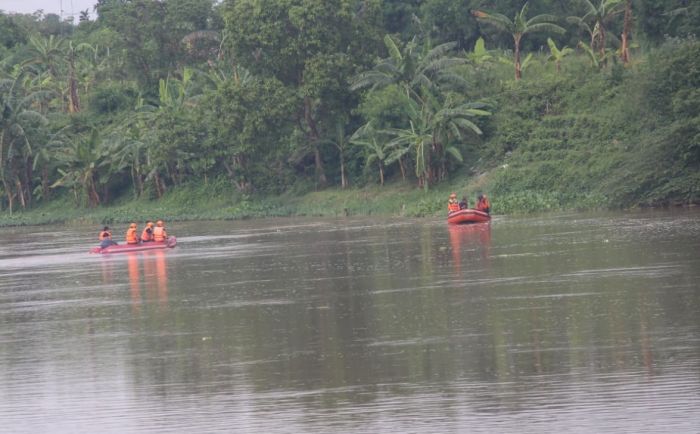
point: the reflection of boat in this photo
(474, 239)
(122, 248)
(467, 216)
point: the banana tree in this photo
(413, 67)
(556, 54)
(17, 124)
(375, 151)
(81, 166)
(595, 21)
(518, 27)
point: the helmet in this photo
(453, 195)
(159, 223)
(133, 225)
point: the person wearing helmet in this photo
(482, 204)
(452, 204)
(147, 234)
(159, 234)
(132, 235)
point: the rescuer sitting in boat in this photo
(464, 203)
(132, 236)
(482, 204)
(159, 233)
(452, 204)
(147, 234)
(105, 238)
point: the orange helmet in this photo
(159, 223)
(133, 225)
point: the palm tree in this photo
(84, 168)
(479, 55)
(556, 54)
(412, 67)
(366, 136)
(433, 128)
(341, 143)
(17, 120)
(595, 21)
(449, 124)
(519, 27)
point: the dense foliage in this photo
(275, 96)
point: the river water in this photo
(563, 323)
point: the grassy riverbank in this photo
(218, 202)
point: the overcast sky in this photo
(70, 7)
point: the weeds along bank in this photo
(620, 138)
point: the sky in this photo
(70, 7)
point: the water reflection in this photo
(524, 325)
(147, 273)
(473, 239)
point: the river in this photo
(553, 323)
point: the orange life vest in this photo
(105, 235)
(452, 206)
(159, 234)
(147, 235)
(131, 237)
(483, 204)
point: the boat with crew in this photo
(123, 248)
(467, 215)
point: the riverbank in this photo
(219, 202)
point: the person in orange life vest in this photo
(452, 204)
(159, 234)
(147, 234)
(105, 237)
(132, 235)
(464, 203)
(482, 204)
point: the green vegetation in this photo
(194, 109)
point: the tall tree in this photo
(519, 27)
(312, 46)
(596, 21)
(626, 30)
(17, 123)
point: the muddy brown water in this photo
(558, 323)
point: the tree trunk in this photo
(518, 72)
(73, 100)
(403, 169)
(602, 42)
(20, 193)
(626, 28)
(381, 174)
(313, 137)
(46, 191)
(343, 179)
(320, 172)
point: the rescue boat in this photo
(123, 248)
(467, 215)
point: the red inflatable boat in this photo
(467, 216)
(122, 248)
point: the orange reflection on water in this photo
(472, 239)
(134, 280)
(147, 270)
(155, 272)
